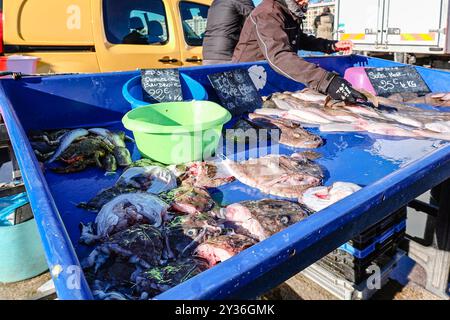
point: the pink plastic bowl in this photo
(357, 76)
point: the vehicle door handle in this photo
(168, 60)
(194, 60)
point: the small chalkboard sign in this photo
(387, 81)
(161, 85)
(236, 91)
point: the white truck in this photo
(405, 28)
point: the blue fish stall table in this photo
(393, 172)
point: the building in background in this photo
(315, 9)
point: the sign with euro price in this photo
(161, 85)
(388, 81)
(236, 91)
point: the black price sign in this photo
(161, 85)
(388, 81)
(236, 91)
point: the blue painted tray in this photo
(393, 171)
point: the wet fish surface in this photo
(291, 134)
(278, 175)
(263, 218)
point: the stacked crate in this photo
(345, 271)
(375, 246)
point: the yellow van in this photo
(105, 35)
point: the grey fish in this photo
(114, 138)
(66, 141)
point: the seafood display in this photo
(320, 198)
(156, 226)
(79, 149)
(391, 118)
(278, 175)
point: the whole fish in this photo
(278, 175)
(262, 219)
(66, 141)
(221, 248)
(114, 138)
(291, 134)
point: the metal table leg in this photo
(436, 259)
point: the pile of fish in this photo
(157, 227)
(81, 148)
(383, 116)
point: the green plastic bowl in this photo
(177, 132)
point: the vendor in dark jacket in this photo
(273, 32)
(225, 21)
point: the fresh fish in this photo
(124, 211)
(432, 99)
(113, 138)
(310, 96)
(319, 198)
(66, 141)
(206, 174)
(184, 233)
(189, 200)
(156, 280)
(277, 174)
(221, 248)
(142, 244)
(151, 179)
(386, 129)
(261, 219)
(122, 156)
(291, 134)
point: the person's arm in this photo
(311, 43)
(282, 55)
(244, 7)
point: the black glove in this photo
(340, 89)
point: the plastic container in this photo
(16, 63)
(21, 253)
(357, 76)
(177, 132)
(192, 90)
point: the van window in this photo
(135, 22)
(194, 17)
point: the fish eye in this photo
(285, 219)
(192, 232)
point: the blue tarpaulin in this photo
(9, 204)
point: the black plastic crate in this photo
(367, 237)
(345, 265)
